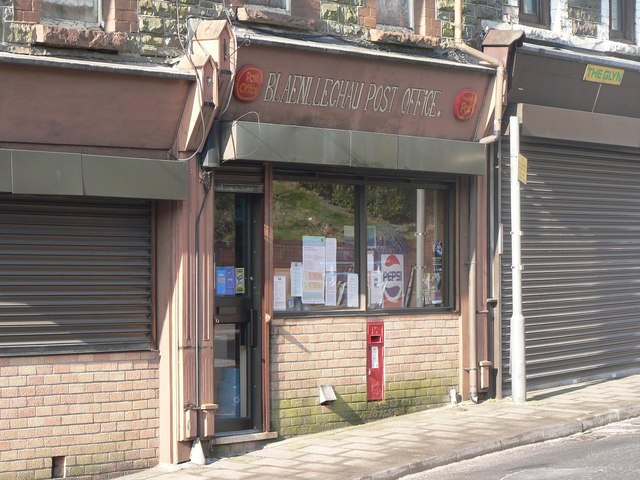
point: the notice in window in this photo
(352, 290)
(313, 269)
(296, 279)
(240, 280)
(331, 280)
(331, 247)
(225, 281)
(279, 292)
(376, 287)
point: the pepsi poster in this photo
(393, 280)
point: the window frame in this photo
(541, 19)
(410, 19)
(626, 11)
(65, 22)
(444, 182)
(286, 9)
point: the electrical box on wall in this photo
(375, 361)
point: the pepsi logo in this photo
(393, 279)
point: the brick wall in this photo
(99, 411)
(421, 364)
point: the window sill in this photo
(90, 39)
(433, 311)
(622, 40)
(267, 17)
(403, 38)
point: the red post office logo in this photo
(465, 104)
(248, 83)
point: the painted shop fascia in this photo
(348, 88)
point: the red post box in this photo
(375, 361)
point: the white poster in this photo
(279, 292)
(331, 247)
(352, 290)
(393, 278)
(296, 279)
(369, 261)
(331, 289)
(313, 269)
(376, 287)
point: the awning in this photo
(578, 126)
(62, 173)
(323, 146)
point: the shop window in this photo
(535, 12)
(338, 245)
(394, 13)
(71, 12)
(622, 20)
(270, 4)
(407, 243)
(314, 247)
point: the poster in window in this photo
(225, 281)
(376, 287)
(296, 279)
(279, 292)
(313, 269)
(240, 280)
(331, 293)
(331, 247)
(393, 279)
(352, 290)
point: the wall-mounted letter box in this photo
(375, 361)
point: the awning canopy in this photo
(348, 148)
(63, 173)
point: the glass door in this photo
(237, 329)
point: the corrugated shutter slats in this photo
(75, 275)
(581, 257)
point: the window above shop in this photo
(535, 12)
(84, 13)
(395, 13)
(276, 5)
(622, 20)
(361, 247)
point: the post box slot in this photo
(375, 338)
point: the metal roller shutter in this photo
(75, 275)
(581, 257)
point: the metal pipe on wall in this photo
(420, 246)
(472, 318)
(498, 93)
(517, 335)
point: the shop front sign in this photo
(295, 87)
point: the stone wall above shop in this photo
(159, 30)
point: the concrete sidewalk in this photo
(393, 447)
